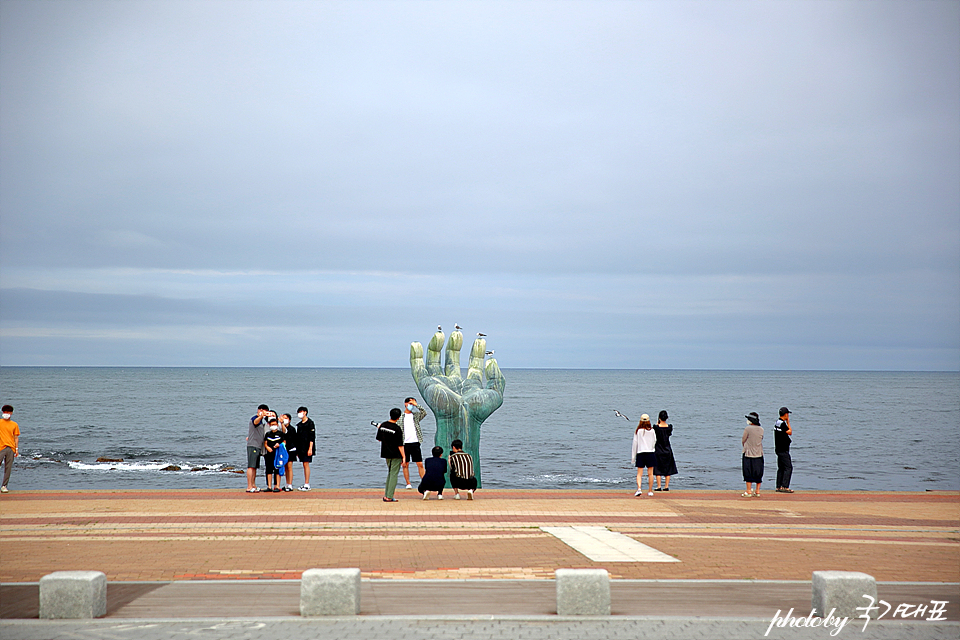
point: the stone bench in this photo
(73, 594)
(843, 591)
(330, 592)
(583, 592)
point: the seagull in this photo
(457, 327)
(481, 335)
(490, 353)
(620, 415)
(439, 328)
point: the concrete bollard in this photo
(583, 592)
(73, 594)
(330, 592)
(843, 591)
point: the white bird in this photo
(482, 335)
(457, 327)
(439, 328)
(490, 353)
(620, 415)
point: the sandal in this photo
(745, 494)
(254, 490)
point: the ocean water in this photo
(556, 429)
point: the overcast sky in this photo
(737, 185)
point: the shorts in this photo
(646, 459)
(467, 484)
(303, 457)
(253, 458)
(411, 452)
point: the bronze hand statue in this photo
(460, 405)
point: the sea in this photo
(557, 429)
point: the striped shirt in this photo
(461, 464)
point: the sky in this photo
(651, 185)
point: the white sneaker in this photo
(409, 486)
(305, 487)
(638, 493)
(456, 496)
(4, 489)
(425, 494)
(439, 496)
(650, 494)
(469, 494)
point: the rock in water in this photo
(109, 459)
(171, 467)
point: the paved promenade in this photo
(231, 555)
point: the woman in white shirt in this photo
(644, 445)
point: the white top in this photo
(646, 441)
(409, 429)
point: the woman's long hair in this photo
(641, 424)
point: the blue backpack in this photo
(280, 456)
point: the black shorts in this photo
(646, 459)
(411, 452)
(303, 457)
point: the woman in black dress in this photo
(666, 466)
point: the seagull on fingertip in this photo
(481, 335)
(457, 327)
(439, 328)
(490, 353)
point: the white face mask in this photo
(274, 426)
(301, 415)
(7, 416)
(285, 421)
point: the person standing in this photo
(307, 432)
(644, 456)
(781, 443)
(752, 441)
(9, 444)
(255, 446)
(290, 441)
(666, 466)
(412, 437)
(390, 435)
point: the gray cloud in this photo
(811, 147)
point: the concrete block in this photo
(583, 592)
(73, 594)
(330, 592)
(843, 591)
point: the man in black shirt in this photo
(781, 441)
(308, 442)
(390, 435)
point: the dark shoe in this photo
(666, 488)
(386, 499)
(658, 489)
(276, 489)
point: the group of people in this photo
(652, 452)
(400, 438)
(752, 463)
(268, 437)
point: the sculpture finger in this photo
(495, 380)
(451, 366)
(482, 403)
(475, 366)
(433, 354)
(417, 367)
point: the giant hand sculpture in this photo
(460, 405)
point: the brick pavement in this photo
(195, 535)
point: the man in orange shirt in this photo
(9, 443)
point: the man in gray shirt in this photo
(255, 436)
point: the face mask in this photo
(301, 415)
(6, 416)
(286, 422)
(411, 407)
(274, 426)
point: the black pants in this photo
(784, 470)
(467, 484)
